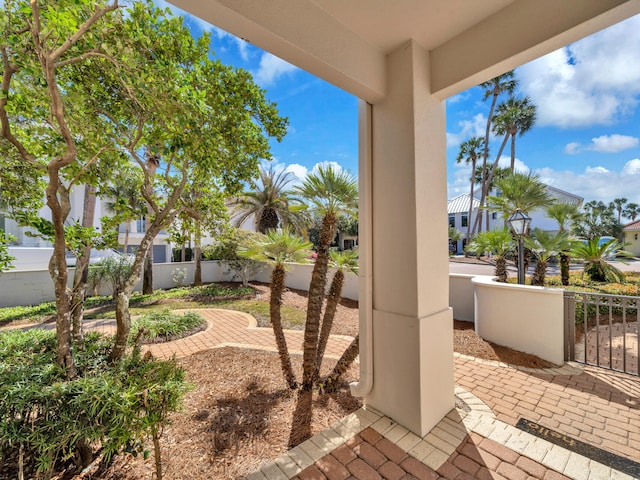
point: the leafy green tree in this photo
(226, 251)
(279, 248)
(470, 151)
(497, 242)
(631, 210)
(566, 214)
(544, 245)
(597, 220)
(594, 253)
(270, 203)
(5, 258)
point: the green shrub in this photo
(163, 325)
(116, 406)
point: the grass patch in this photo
(292, 318)
(164, 325)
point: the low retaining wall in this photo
(529, 319)
(461, 296)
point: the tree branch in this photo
(62, 49)
(86, 165)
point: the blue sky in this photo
(586, 139)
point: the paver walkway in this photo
(477, 440)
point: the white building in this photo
(33, 253)
(458, 210)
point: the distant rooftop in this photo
(460, 204)
(632, 226)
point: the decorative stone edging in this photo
(569, 368)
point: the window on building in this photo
(636, 237)
(465, 220)
(494, 215)
(452, 220)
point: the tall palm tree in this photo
(618, 205)
(519, 192)
(270, 203)
(514, 118)
(545, 245)
(330, 192)
(632, 210)
(470, 151)
(505, 83)
(595, 253)
(498, 242)
(565, 214)
(278, 248)
(342, 261)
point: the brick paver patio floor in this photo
(477, 440)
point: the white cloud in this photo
(594, 81)
(271, 68)
(518, 165)
(475, 127)
(613, 143)
(632, 167)
(605, 143)
(299, 171)
(572, 148)
(597, 183)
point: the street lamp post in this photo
(519, 224)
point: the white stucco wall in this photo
(461, 296)
(529, 319)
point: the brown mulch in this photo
(236, 419)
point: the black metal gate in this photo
(602, 330)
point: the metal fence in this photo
(602, 330)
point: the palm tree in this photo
(618, 205)
(595, 253)
(498, 243)
(270, 203)
(470, 150)
(330, 192)
(342, 261)
(505, 83)
(545, 245)
(565, 214)
(278, 248)
(632, 210)
(514, 117)
(519, 192)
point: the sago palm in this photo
(498, 242)
(279, 248)
(544, 245)
(595, 253)
(270, 203)
(519, 192)
(566, 214)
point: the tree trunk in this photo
(302, 416)
(501, 268)
(315, 300)
(147, 282)
(539, 273)
(197, 275)
(126, 237)
(123, 325)
(81, 274)
(564, 268)
(330, 383)
(58, 202)
(335, 292)
(277, 287)
(473, 168)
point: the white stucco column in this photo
(412, 321)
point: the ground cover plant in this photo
(164, 325)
